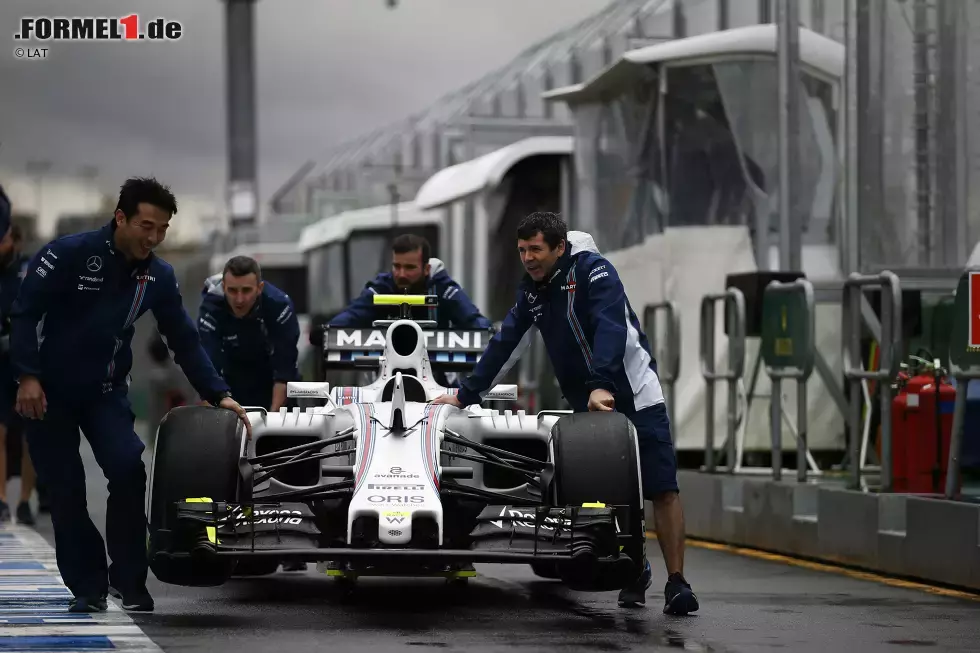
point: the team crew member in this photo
(415, 273)
(12, 268)
(250, 330)
(251, 333)
(72, 327)
(602, 361)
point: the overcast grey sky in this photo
(327, 70)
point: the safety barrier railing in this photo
(964, 366)
(734, 302)
(891, 338)
(789, 351)
(668, 368)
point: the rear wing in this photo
(448, 349)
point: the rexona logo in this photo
(272, 516)
(547, 524)
(395, 498)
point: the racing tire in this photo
(195, 455)
(597, 460)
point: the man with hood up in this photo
(574, 298)
(413, 272)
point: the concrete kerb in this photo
(926, 538)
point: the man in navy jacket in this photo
(72, 325)
(575, 299)
(415, 273)
(251, 333)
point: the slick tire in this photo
(596, 457)
(195, 455)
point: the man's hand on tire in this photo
(231, 404)
(601, 400)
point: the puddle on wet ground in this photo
(674, 639)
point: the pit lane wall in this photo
(932, 540)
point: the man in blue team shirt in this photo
(72, 327)
(251, 333)
(575, 299)
(413, 272)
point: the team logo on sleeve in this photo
(598, 273)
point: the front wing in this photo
(584, 542)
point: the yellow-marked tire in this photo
(596, 457)
(195, 456)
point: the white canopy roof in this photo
(336, 228)
(464, 179)
(818, 54)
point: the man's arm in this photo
(46, 279)
(184, 340)
(284, 334)
(607, 311)
(502, 352)
(209, 328)
(360, 313)
(463, 313)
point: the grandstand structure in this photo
(500, 108)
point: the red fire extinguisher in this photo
(922, 422)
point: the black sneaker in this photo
(139, 601)
(635, 594)
(4, 512)
(88, 604)
(24, 514)
(679, 598)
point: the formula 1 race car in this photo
(379, 481)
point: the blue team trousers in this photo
(107, 422)
(658, 460)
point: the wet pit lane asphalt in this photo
(756, 603)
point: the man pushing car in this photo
(250, 330)
(71, 331)
(575, 299)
